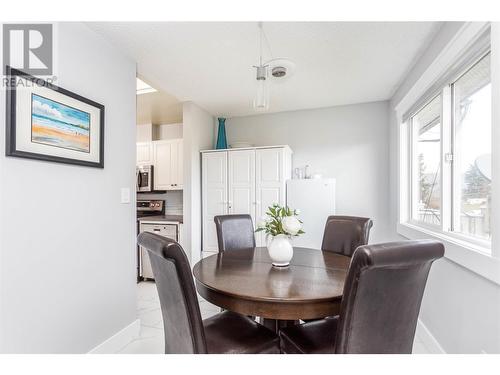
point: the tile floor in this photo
(150, 340)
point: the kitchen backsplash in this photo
(173, 201)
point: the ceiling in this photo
(210, 63)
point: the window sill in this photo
(468, 255)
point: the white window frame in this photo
(480, 256)
(450, 181)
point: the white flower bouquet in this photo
(280, 220)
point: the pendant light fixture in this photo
(261, 100)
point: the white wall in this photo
(67, 245)
(198, 135)
(150, 132)
(169, 131)
(144, 133)
(460, 308)
(349, 143)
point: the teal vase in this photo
(221, 134)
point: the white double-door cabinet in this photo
(166, 157)
(245, 181)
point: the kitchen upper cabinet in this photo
(167, 156)
(179, 163)
(144, 153)
(242, 181)
(162, 174)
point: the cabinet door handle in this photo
(139, 179)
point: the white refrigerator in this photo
(315, 198)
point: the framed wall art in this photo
(47, 122)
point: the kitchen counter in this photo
(162, 219)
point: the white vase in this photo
(280, 250)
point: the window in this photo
(426, 189)
(450, 140)
(472, 151)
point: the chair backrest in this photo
(182, 321)
(382, 296)
(234, 232)
(343, 234)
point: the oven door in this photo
(144, 177)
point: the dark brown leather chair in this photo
(185, 331)
(234, 232)
(343, 234)
(380, 305)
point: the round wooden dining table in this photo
(245, 281)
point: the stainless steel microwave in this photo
(144, 175)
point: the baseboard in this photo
(428, 340)
(119, 339)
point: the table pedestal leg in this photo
(275, 325)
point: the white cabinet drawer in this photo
(165, 230)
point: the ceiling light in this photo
(261, 100)
(143, 88)
(281, 68)
(278, 71)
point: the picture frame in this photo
(49, 123)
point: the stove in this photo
(150, 208)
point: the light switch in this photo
(125, 195)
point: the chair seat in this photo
(232, 333)
(315, 337)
